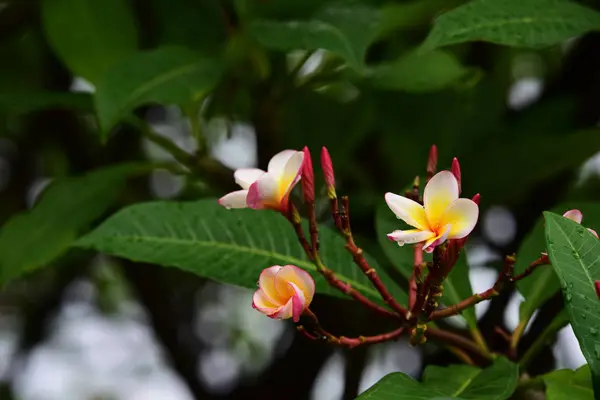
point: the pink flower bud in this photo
(284, 292)
(577, 216)
(432, 161)
(597, 286)
(476, 198)
(308, 178)
(327, 166)
(456, 171)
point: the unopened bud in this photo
(597, 286)
(308, 178)
(456, 171)
(476, 198)
(327, 167)
(432, 161)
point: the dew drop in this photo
(576, 255)
(597, 351)
(570, 285)
(568, 296)
(580, 231)
(593, 331)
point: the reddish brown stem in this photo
(542, 260)
(313, 227)
(294, 217)
(455, 340)
(412, 282)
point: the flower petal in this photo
(247, 176)
(263, 192)
(574, 215)
(440, 192)
(410, 236)
(298, 302)
(262, 303)
(284, 312)
(291, 173)
(408, 211)
(266, 282)
(235, 199)
(437, 240)
(593, 232)
(300, 278)
(462, 214)
(278, 162)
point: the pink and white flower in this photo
(577, 216)
(443, 216)
(284, 292)
(270, 189)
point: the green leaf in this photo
(24, 101)
(346, 31)
(574, 253)
(531, 24)
(566, 384)
(457, 286)
(540, 286)
(230, 246)
(34, 238)
(496, 382)
(90, 35)
(168, 75)
(415, 72)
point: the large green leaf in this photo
(496, 382)
(566, 384)
(167, 75)
(230, 246)
(574, 253)
(533, 24)
(31, 239)
(457, 286)
(25, 101)
(543, 283)
(90, 35)
(344, 30)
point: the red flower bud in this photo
(597, 286)
(308, 178)
(327, 167)
(476, 198)
(432, 161)
(456, 171)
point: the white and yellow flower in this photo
(443, 216)
(270, 189)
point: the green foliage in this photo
(89, 35)
(574, 253)
(33, 239)
(168, 75)
(496, 382)
(230, 246)
(566, 384)
(533, 24)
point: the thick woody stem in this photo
(346, 341)
(361, 262)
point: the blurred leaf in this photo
(168, 75)
(230, 246)
(34, 238)
(344, 30)
(413, 14)
(496, 382)
(415, 72)
(566, 384)
(534, 24)
(540, 286)
(279, 10)
(90, 35)
(574, 253)
(22, 101)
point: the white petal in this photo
(263, 192)
(291, 172)
(440, 192)
(247, 176)
(437, 240)
(462, 214)
(408, 211)
(410, 236)
(279, 161)
(234, 199)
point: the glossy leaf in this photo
(230, 246)
(566, 384)
(575, 255)
(532, 24)
(168, 75)
(496, 382)
(31, 239)
(90, 35)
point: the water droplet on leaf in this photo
(593, 331)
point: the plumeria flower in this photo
(269, 189)
(444, 215)
(577, 216)
(284, 292)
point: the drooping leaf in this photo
(532, 24)
(230, 246)
(167, 75)
(496, 382)
(345, 31)
(575, 255)
(415, 72)
(566, 384)
(32, 239)
(543, 283)
(89, 35)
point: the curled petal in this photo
(278, 162)
(574, 215)
(410, 236)
(263, 303)
(291, 174)
(593, 232)
(439, 239)
(462, 214)
(440, 192)
(247, 176)
(408, 211)
(234, 199)
(266, 283)
(298, 302)
(263, 193)
(284, 312)
(300, 278)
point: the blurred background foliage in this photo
(86, 84)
